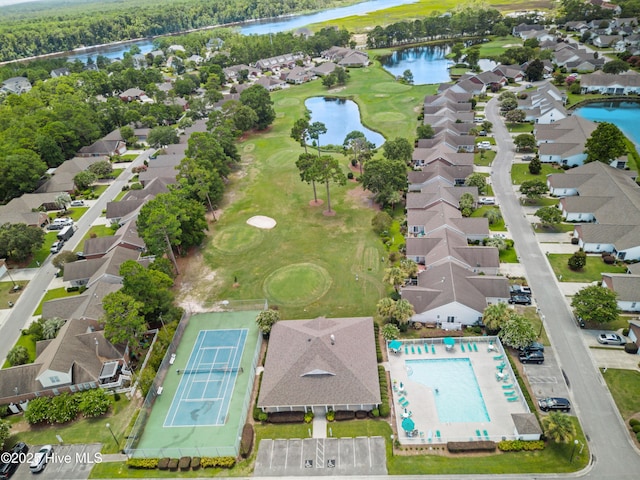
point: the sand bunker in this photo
(260, 221)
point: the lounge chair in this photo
(426, 347)
(406, 350)
(512, 399)
(401, 399)
(510, 393)
(478, 434)
(419, 350)
(405, 404)
(462, 347)
(413, 350)
(486, 434)
(433, 349)
(498, 357)
(469, 346)
(438, 434)
(475, 347)
(507, 387)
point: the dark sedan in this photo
(554, 404)
(520, 300)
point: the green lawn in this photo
(508, 256)
(496, 46)
(41, 254)
(541, 202)
(531, 314)
(7, 294)
(590, 273)
(29, 343)
(520, 127)
(624, 386)
(119, 196)
(520, 172)
(484, 158)
(116, 172)
(480, 212)
(128, 157)
(335, 248)
(557, 228)
(52, 295)
(97, 231)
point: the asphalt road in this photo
(21, 312)
(613, 453)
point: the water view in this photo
(340, 116)
(624, 115)
(427, 63)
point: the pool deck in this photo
(422, 402)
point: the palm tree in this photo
(495, 315)
(559, 427)
(385, 308)
(389, 332)
(410, 267)
(403, 311)
(493, 216)
(395, 276)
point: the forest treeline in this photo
(32, 30)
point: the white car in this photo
(486, 201)
(77, 203)
(610, 339)
(484, 145)
(41, 458)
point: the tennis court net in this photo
(190, 371)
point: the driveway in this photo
(607, 433)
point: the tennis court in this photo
(206, 387)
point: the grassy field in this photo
(41, 254)
(27, 342)
(624, 386)
(520, 127)
(52, 295)
(7, 294)
(590, 273)
(480, 212)
(557, 228)
(484, 158)
(520, 172)
(334, 250)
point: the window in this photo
(633, 304)
(54, 379)
(451, 319)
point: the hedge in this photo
(479, 446)
(342, 415)
(184, 463)
(636, 428)
(246, 441)
(195, 463)
(173, 464)
(362, 414)
(163, 463)
(385, 408)
(520, 445)
(286, 417)
(217, 462)
(634, 421)
(256, 410)
(376, 334)
(148, 463)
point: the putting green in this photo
(297, 285)
(389, 117)
(236, 239)
(288, 102)
(390, 87)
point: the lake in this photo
(427, 63)
(624, 115)
(341, 117)
(259, 27)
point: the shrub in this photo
(631, 347)
(375, 412)
(18, 355)
(64, 408)
(173, 464)
(286, 417)
(634, 421)
(578, 260)
(4, 411)
(147, 463)
(636, 428)
(37, 410)
(263, 416)
(184, 463)
(308, 417)
(609, 259)
(195, 463)
(331, 416)
(480, 446)
(136, 186)
(342, 415)
(247, 440)
(519, 445)
(362, 414)
(217, 462)
(163, 463)
(625, 332)
(257, 413)
(350, 175)
(385, 409)
(94, 403)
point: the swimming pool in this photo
(456, 391)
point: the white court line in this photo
(235, 363)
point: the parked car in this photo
(533, 347)
(63, 221)
(580, 321)
(520, 300)
(484, 145)
(41, 458)
(55, 226)
(531, 357)
(11, 462)
(77, 203)
(487, 201)
(554, 404)
(526, 290)
(527, 158)
(610, 339)
(56, 246)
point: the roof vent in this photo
(333, 339)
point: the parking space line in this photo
(271, 459)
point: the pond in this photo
(624, 115)
(427, 63)
(341, 117)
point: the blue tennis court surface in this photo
(208, 379)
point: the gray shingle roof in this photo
(301, 350)
(626, 286)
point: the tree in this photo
(381, 222)
(497, 242)
(549, 215)
(425, 131)
(383, 176)
(329, 171)
(257, 97)
(577, 261)
(266, 319)
(487, 126)
(62, 200)
(525, 141)
(385, 308)
(596, 304)
(535, 70)
(605, 144)
(128, 135)
(493, 215)
(515, 116)
(51, 327)
(151, 288)
(409, 267)
(389, 332)
(5, 428)
(394, 276)
(476, 180)
(407, 77)
(83, 180)
(300, 131)
(200, 181)
(517, 331)
(398, 149)
(315, 130)
(159, 136)
(508, 104)
(616, 66)
(94, 403)
(535, 166)
(20, 173)
(403, 312)
(465, 204)
(533, 188)
(472, 56)
(495, 316)
(356, 143)
(124, 323)
(102, 169)
(307, 164)
(19, 240)
(558, 427)
(329, 80)
(18, 355)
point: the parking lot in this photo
(321, 456)
(72, 462)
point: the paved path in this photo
(41, 280)
(598, 414)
